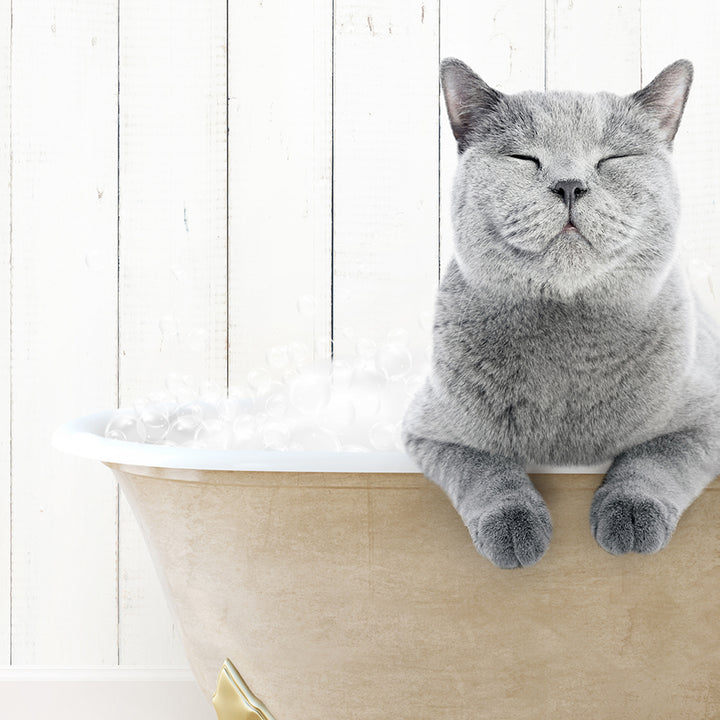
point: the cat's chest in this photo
(543, 384)
(533, 366)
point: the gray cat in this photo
(565, 331)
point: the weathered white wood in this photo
(592, 46)
(5, 127)
(173, 304)
(504, 42)
(690, 30)
(280, 154)
(64, 350)
(385, 171)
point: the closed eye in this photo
(528, 158)
(615, 157)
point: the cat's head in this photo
(562, 191)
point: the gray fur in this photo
(555, 345)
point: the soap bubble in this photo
(214, 433)
(152, 425)
(394, 400)
(394, 360)
(210, 392)
(348, 336)
(338, 415)
(275, 436)
(366, 385)
(354, 403)
(299, 354)
(413, 383)
(122, 426)
(355, 448)
(425, 321)
(383, 436)
(245, 431)
(342, 372)
(180, 387)
(288, 375)
(183, 429)
(309, 437)
(276, 404)
(398, 336)
(189, 408)
(310, 392)
(206, 409)
(244, 398)
(228, 408)
(366, 348)
(259, 380)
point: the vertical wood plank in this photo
(593, 46)
(385, 172)
(690, 30)
(504, 42)
(64, 350)
(173, 247)
(5, 285)
(280, 154)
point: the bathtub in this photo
(344, 586)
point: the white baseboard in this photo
(110, 693)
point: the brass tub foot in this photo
(233, 699)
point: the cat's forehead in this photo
(569, 120)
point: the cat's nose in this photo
(569, 191)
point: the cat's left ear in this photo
(666, 95)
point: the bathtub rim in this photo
(84, 437)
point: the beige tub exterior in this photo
(359, 596)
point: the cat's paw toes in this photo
(622, 522)
(513, 534)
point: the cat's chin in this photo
(569, 264)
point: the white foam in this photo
(291, 404)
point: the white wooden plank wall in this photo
(593, 46)
(5, 175)
(64, 337)
(385, 177)
(279, 172)
(280, 194)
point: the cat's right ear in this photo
(467, 98)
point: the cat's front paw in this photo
(624, 522)
(513, 533)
